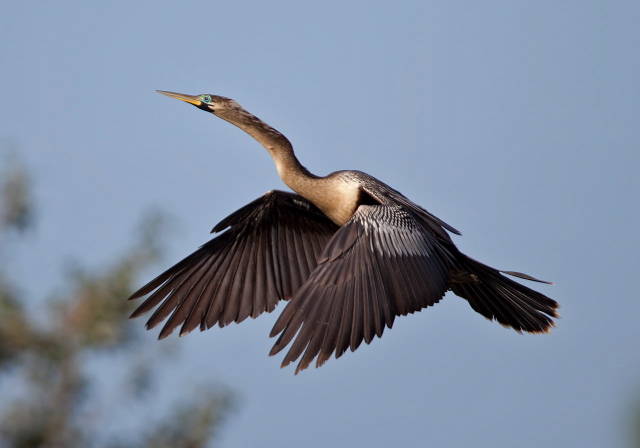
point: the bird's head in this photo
(229, 110)
(215, 104)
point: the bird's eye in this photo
(205, 98)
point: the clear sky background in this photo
(516, 122)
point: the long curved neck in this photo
(336, 198)
(290, 170)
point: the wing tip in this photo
(137, 313)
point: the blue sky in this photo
(515, 122)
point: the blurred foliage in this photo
(53, 400)
(16, 212)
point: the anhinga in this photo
(347, 251)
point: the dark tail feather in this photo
(497, 297)
(526, 277)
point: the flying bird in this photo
(348, 253)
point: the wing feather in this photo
(266, 250)
(382, 263)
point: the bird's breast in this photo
(340, 214)
(336, 198)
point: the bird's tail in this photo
(497, 297)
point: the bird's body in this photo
(349, 253)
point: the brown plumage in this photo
(347, 251)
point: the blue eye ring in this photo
(205, 98)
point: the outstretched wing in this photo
(267, 252)
(382, 263)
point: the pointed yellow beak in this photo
(180, 96)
